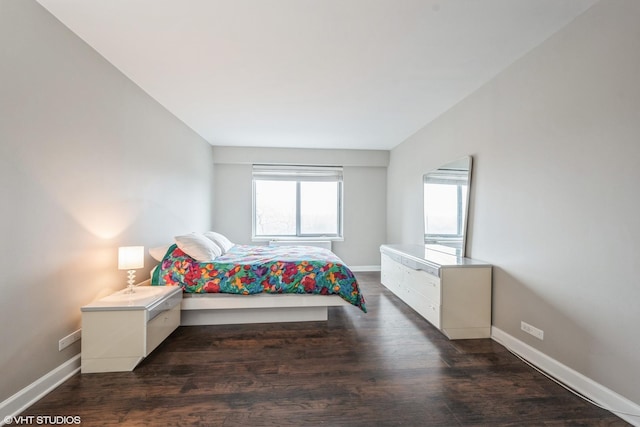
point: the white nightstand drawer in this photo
(164, 305)
(161, 327)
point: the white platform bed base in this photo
(225, 309)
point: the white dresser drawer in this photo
(392, 274)
(386, 270)
(428, 309)
(425, 284)
(431, 312)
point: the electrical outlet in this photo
(538, 333)
(69, 339)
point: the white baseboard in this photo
(363, 268)
(574, 379)
(35, 391)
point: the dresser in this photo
(452, 293)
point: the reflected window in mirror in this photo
(446, 199)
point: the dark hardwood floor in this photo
(387, 367)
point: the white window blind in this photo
(297, 173)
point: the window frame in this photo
(298, 174)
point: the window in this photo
(297, 201)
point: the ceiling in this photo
(359, 74)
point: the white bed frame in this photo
(226, 309)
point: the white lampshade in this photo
(130, 257)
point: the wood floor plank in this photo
(388, 367)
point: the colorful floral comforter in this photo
(254, 269)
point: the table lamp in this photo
(130, 258)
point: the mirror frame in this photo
(445, 243)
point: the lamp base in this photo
(132, 278)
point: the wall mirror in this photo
(446, 202)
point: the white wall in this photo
(556, 147)
(88, 162)
(364, 195)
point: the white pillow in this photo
(198, 247)
(159, 252)
(220, 240)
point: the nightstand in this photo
(120, 330)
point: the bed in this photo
(259, 284)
